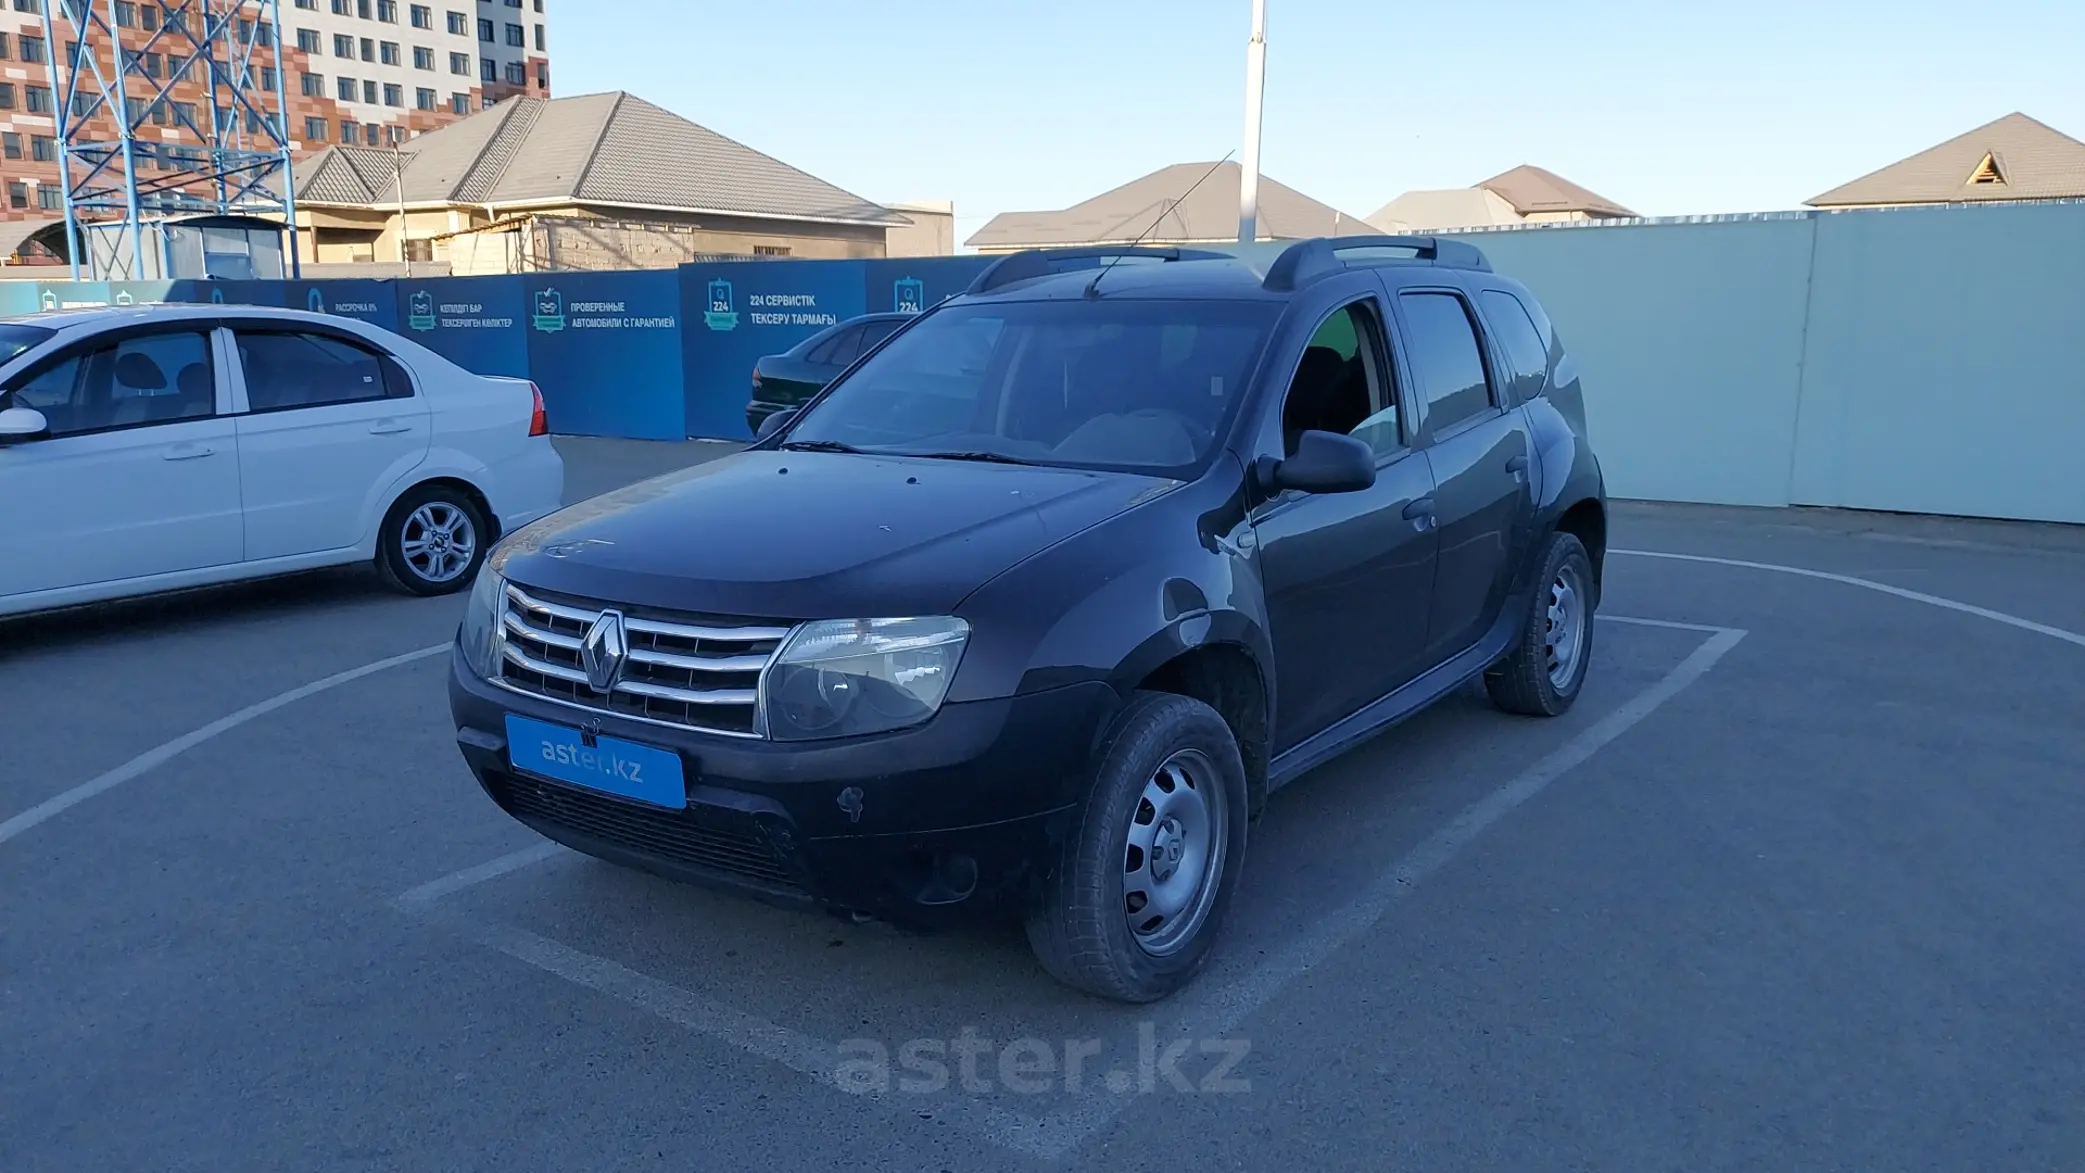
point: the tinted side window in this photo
(1445, 357)
(155, 379)
(1516, 333)
(876, 332)
(1340, 384)
(839, 349)
(288, 370)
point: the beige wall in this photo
(932, 232)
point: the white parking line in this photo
(1204, 1013)
(1870, 584)
(52, 807)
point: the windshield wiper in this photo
(981, 457)
(820, 446)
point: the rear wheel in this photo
(433, 541)
(1546, 669)
(1139, 893)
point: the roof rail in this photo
(1307, 260)
(1041, 262)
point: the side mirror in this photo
(1325, 462)
(774, 423)
(19, 424)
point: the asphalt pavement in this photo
(1796, 886)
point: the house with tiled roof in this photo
(1524, 195)
(598, 181)
(2012, 159)
(1185, 203)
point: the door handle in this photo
(388, 428)
(1423, 507)
(187, 452)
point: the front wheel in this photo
(1139, 893)
(433, 541)
(1543, 674)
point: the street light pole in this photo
(1255, 81)
(405, 258)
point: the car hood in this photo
(800, 535)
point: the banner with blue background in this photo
(650, 354)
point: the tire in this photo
(1546, 669)
(1128, 853)
(433, 541)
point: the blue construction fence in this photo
(655, 355)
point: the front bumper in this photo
(955, 820)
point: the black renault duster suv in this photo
(1031, 608)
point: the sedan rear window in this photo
(1135, 385)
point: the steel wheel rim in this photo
(1564, 642)
(1173, 853)
(439, 541)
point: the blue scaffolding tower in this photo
(230, 155)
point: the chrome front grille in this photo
(677, 671)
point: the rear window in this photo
(1515, 330)
(1133, 385)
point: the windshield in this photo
(15, 339)
(1136, 385)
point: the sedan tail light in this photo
(538, 421)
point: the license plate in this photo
(611, 766)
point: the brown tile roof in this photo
(2032, 161)
(1532, 190)
(608, 149)
(1153, 203)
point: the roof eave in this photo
(888, 220)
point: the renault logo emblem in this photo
(603, 650)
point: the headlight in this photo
(847, 677)
(480, 631)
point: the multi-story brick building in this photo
(367, 72)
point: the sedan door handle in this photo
(187, 452)
(388, 428)
(1517, 465)
(1423, 507)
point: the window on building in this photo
(423, 98)
(37, 99)
(148, 16)
(43, 148)
(513, 3)
(245, 30)
(459, 103)
(543, 75)
(158, 112)
(394, 94)
(423, 16)
(309, 5)
(1445, 358)
(315, 130)
(49, 198)
(460, 64)
(488, 69)
(184, 113)
(267, 78)
(133, 110)
(539, 5)
(387, 11)
(362, 9)
(85, 104)
(516, 36)
(312, 86)
(459, 24)
(309, 40)
(32, 49)
(264, 35)
(369, 92)
(390, 54)
(345, 89)
(343, 46)
(349, 130)
(152, 64)
(17, 194)
(517, 73)
(6, 95)
(6, 46)
(341, 8)
(126, 14)
(369, 49)
(486, 32)
(487, 101)
(10, 144)
(370, 133)
(539, 38)
(423, 57)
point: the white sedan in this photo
(156, 448)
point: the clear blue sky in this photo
(1671, 107)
